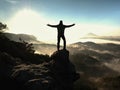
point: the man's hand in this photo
(48, 24)
(73, 24)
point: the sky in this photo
(101, 17)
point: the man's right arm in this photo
(51, 25)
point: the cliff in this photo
(63, 70)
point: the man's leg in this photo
(58, 43)
(64, 40)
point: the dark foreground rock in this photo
(57, 74)
(63, 70)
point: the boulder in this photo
(63, 70)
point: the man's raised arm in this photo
(51, 25)
(69, 25)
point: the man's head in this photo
(61, 22)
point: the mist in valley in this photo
(106, 53)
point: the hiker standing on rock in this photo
(61, 28)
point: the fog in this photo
(106, 53)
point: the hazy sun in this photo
(25, 21)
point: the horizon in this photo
(31, 16)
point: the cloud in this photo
(12, 1)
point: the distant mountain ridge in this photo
(94, 36)
(91, 35)
(24, 37)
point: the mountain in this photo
(98, 65)
(22, 37)
(103, 52)
(90, 66)
(94, 36)
(112, 38)
(39, 47)
(91, 35)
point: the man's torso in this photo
(61, 29)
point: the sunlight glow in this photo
(30, 22)
(25, 21)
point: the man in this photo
(61, 27)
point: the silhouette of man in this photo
(61, 27)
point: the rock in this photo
(57, 74)
(33, 77)
(7, 63)
(40, 84)
(63, 70)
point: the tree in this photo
(27, 47)
(2, 27)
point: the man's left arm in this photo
(67, 26)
